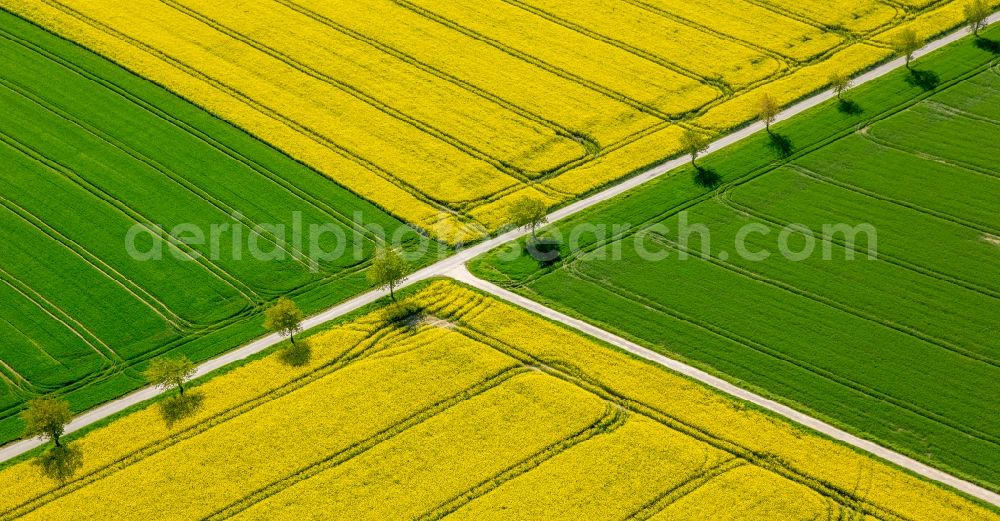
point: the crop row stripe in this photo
(264, 110)
(229, 212)
(538, 62)
(781, 58)
(589, 144)
(60, 316)
(363, 446)
(435, 133)
(825, 374)
(613, 418)
(727, 200)
(223, 149)
(944, 216)
(723, 87)
(99, 265)
(133, 215)
(573, 376)
(835, 304)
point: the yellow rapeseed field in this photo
(455, 411)
(444, 113)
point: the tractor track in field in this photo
(726, 200)
(838, 305)
(762, 460)
(454, 267)
(228, 212)
(61, 317)
(944, 216)
(133, 215)
(466, 148)
(776, 354)
(613, 418)
(223, 149)
(692, 483)
(158, 307)
(361, 447)
(442, 206)
(926, 156)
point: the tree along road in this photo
(454, 267)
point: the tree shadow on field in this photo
(545, 250)
(780, 144)
(706, 177)
(849, 107)
(988, 45)
(297, 354)
(176, 408)
(406, 315)
(926, 80)
(60, 463)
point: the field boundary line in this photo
(455, 264)
(102, 195)
(461, 274)
(360, 447)
(354, 92)
(193, 131)
(613, 418)
(726, 199)
(944, 216)
(766, 461)
(318, 138)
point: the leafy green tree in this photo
(388, 270)
(905, 43)
(693, 143)
(528, 212)
(284, 318)
(976, 13)
(768, 110)
(46, 417)
(840, 83)
(168, 373)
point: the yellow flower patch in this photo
(471, 408)
(444, 112)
